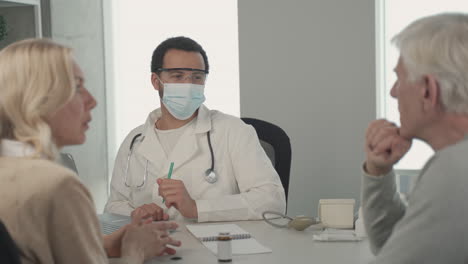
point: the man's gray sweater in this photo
(433, 226)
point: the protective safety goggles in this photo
(179, 75)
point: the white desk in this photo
(289, 246)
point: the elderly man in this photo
(432, 94)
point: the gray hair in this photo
(438, 45)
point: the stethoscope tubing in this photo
(278, 215)
(128, 164)
(211, 150)
(145, 175)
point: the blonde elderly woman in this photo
(44, 106)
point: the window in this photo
(133, 30)
(392, 17)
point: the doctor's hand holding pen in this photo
(175, 194)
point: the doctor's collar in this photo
(203, 120)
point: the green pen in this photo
(169, 174)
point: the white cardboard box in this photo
(336, 213)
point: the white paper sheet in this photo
(239, 246)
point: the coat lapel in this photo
(150, 147)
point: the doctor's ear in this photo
(155, 81)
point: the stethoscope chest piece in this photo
(210, 176)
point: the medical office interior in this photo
(321, 70)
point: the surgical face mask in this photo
(183, 99)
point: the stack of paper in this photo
(242, 243)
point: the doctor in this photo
(218, 169)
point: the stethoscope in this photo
(210, 175)
(299, 222)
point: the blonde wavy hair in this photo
(36, 79)
(438, 45)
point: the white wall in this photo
(79, 24)
(309, 66)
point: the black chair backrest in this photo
(272, 137)
(9, 252)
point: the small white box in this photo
(336, 213)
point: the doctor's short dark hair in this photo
(179, 43)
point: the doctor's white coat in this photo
(247, 183)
